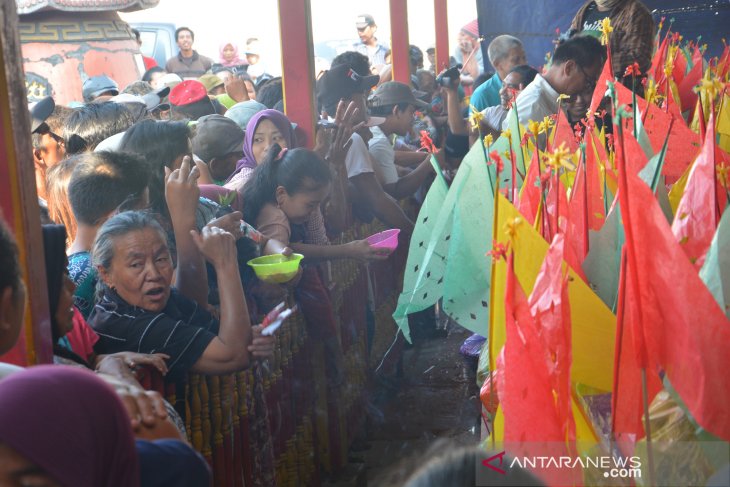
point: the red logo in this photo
(487, 463)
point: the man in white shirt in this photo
(576, 66)
(396, 103)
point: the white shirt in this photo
(537, 101)
(357, 160)
(384, 156)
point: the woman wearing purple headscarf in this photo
(266, 128)
(64, 426)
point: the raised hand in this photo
(181, 191)
(216, 245)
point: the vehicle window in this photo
(148, 42)
(166, 46)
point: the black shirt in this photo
(592, 20)
(181, 330)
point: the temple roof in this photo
(30, 6)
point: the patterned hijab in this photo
(71, 424)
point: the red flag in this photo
(563, 132)
(530, 371)
(596, 209)
(578, 212)
(657, 63)
(679, 70)
(683, 144)
(529, 201)
(686, 333)
(687, 96)
(600, 91)
(697, 215)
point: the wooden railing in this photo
(289, 421)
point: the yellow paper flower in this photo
(723, 175)
(559, 158)
(709, 86)
(475, 117)
(510, 227)
(605, 29)
(507, 134)
(488, 139)
(563, 96)
(533, 126)
(650, 92)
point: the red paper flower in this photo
(609, 141)
(496, 159)
(632, 70)
(545, 176)
(499, 250)
(426, 142)
(525, 139)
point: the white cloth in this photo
(357, 160)
(383, 155)
(537, 101)
(494, 117)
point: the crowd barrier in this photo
(291, 420)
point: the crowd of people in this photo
(155, 196)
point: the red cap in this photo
(187, 92)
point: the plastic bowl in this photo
(276, 268)
(386, 240)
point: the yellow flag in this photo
(723, 123)
(675, 194)
(593, 324)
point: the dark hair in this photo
(585, 50)
(355, 60)
(54, 250)
(9, 262)
(147, 76)
(159, 144)
(88, 125)
(387, 110)
(180, 29)
(54, 123)
(139, 87)
(103, 182)
(527, 73)
(136, 34)
(415, 54)
(296, 170)
(270, 93)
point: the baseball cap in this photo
(364, 20)
(96, 85)
(40, 111)
(242, 112)
(395, 92)
(210, 81)
(154, 99)
(170, 80)
(342, 82)
(187, 93)
(216, 136)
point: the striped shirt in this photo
(181, 330)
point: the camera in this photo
(445, 78)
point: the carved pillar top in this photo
(30, 6)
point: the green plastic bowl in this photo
(276, 268)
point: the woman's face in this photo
(155, 77)
(229, 52)
(65, 310)
(17, 470)
(264, 137)
(299, 206)
(141, 269)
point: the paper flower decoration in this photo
(488, 140)
(475, 117)
(605, 29)
(426, 142)
(632, 70)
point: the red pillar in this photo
(18, 196)
(399, 40)
(295, 20)
(442, 34)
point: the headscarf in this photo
(236, 61)
(71, 424)
(54, 250)
(277, 118)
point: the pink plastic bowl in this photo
(387, 240)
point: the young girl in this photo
(283, 193)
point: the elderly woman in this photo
(139, 310)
